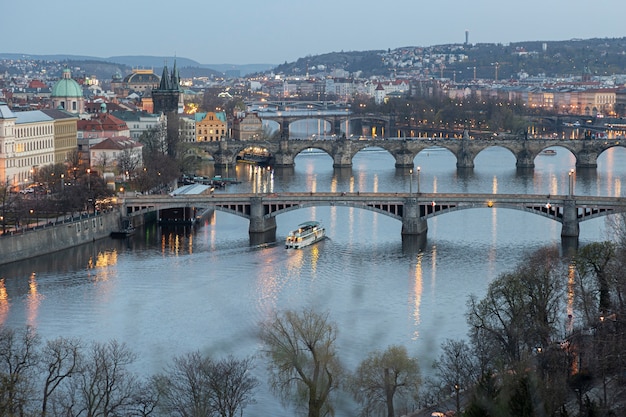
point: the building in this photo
(187, 128)
(26, 144)
(166, 98)
(211, 126)
(140, 81)
(65, 134)
(101, 126)
(67, 94)
(139, 122)
(116, 154)
(247, 126)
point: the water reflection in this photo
(417, 294)
(33, 301)
(4, 302)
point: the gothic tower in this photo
(168, 94)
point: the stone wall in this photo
(56, 237)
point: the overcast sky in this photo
(275, 31)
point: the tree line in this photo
(547, 339)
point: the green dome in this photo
(67, 87)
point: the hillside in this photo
(552, 58)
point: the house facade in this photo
(26, 144)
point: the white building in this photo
(26, 144)
(107, 155)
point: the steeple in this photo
(166, 82)
(175, 78)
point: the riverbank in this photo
(55, 236)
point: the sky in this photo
(278, 31)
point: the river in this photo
(166, 293)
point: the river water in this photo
(169, 292)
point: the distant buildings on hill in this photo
(43, 119)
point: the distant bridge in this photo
(412, 209)
(404, 151)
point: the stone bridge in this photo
(404, 151)
(412, 209)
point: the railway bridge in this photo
(412, 209)
(404, 150)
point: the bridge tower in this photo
(412, 222)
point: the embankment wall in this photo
(55, 237)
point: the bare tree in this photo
(456, 368)
(304, 368)
(59, 360)
(103, 385)
(127, 161)
(232, 385)
(18, 359)
(383, 377)
(184, 389)
(196, 386)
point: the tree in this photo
(596, 260)
(522, 309)
(382, 377)
(232, 386)
(18, 358)
(196, 386)
(304, 368)
(103, 384)
(456, 368)
(519, 321)
(184, 388)
(59, 360)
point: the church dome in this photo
(67, 87)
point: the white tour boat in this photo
(306, 234)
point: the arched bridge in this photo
(404, 151)
(411, 209)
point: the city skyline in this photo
(277, 31)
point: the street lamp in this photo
(411, 183)
(419, 169)
(571, 181)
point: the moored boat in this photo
(306, 234)
(549, 152)
(122, 233)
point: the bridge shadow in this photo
(257, 239)
(569, 246)
(413, 244)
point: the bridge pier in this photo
(259, 224)
(587, 159)
(284, 156)
(412, 223)
(570, 227)
(405, 160)
(342, 157)
(524, 159)
(224, 157)
(465, 157)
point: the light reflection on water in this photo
(168, 292)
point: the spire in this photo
(175, 77)
(166, 82)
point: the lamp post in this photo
(411, 183)
(571, 182)
(419, 169)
